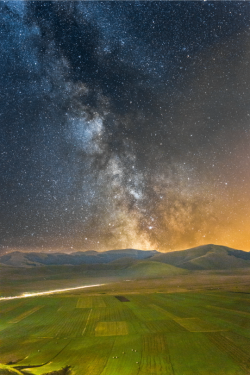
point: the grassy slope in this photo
(178, 257)
(213, 260)
(205, 257)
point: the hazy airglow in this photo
(25, 295)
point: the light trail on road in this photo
(25, 295)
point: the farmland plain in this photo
(187, 324)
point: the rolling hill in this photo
(33, 259)
(206, 257)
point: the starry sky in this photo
(124, 125)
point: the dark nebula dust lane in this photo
(124, 124)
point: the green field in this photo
(206, 332)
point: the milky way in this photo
(124, 124)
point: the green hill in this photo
(36, 259)
(206, 257)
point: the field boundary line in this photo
(11, 308)
(238, 312)
(26, 314)
(198, 325)
(168, 314)
(108, 358)
(227, 346)
(43, 364)
(87, 322)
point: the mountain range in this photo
(206, 257)
(31, 259)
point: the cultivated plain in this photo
(181, 323)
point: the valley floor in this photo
(131, 328)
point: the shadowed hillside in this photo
(32, 259)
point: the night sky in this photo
(124, 125)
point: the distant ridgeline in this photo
(22, 259)
(206, 257)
